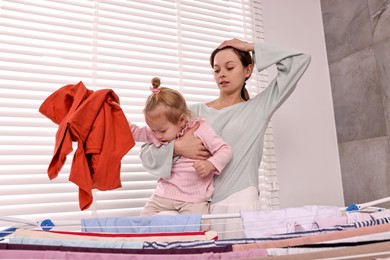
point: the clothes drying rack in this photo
(48, 224)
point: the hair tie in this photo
(156, 82)
(155, 90)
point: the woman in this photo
(240, 121)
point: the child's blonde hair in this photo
(165, 101)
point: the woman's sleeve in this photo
(290, 64)
(158, 161)
(154, 155)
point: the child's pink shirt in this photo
(184, 184)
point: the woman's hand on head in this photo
(237, 44)
(190, 146)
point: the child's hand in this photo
(203, 168)
(191, 146)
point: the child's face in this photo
(163, 129)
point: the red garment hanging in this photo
(97, 123)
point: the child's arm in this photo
(221, 152)
(144, 134)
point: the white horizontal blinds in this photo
(136, 41)
(115, 44)
(268, 181)
(43, 45)
(48, 44)
(269, 187)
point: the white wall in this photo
(304, 127)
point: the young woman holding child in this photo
(241, 121)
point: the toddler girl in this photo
(187, 189)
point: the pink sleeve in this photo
(144, 134)
(221, 152)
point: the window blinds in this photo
(114, 44)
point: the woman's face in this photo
(229, 73)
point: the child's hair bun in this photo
(156, 82)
